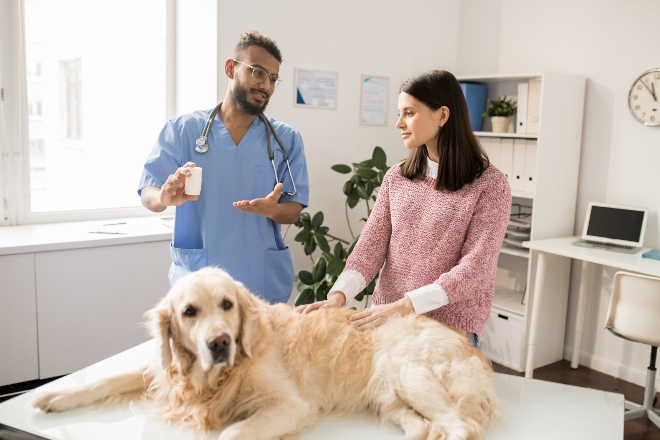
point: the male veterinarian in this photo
(254, 178)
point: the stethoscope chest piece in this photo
(201, 146)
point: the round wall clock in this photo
(644, 98)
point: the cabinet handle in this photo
(503, 316)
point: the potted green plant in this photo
(366, 178)
(500, 110)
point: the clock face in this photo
(644, 98)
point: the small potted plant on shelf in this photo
(499, 111)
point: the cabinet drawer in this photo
(503, 338)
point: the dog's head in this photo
(209, 315)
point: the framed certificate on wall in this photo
(373, 100)
(315, 88)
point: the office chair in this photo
(634, 314)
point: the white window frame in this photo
(15, 204)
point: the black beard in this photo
(240, 95)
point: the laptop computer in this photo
(613, 228)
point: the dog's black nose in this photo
(219, 347)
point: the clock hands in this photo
(655, 98)
(652, 92)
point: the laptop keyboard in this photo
(607, 246)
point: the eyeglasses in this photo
(260, 74)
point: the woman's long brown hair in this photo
(461, 158)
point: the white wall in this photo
(610, 43)
(353, 38)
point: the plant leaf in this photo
(362, 192)
(322, 242)
(310, 246)
(318, 272)
(317, 220)
(306, 277)
(303, 235)
(348, 187)
(336, 266)
(322, 292)
(379, 158)
(323, 230)
(366, 173)
(305, 297)
(367, 163)
(341, 168)
(353, 200)
(305, 221)
(339, 250)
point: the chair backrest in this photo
(634, 311)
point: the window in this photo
(95, 75)
(87, 87)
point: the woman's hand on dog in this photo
(378, 315)
(337, 299)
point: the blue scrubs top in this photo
(211, 231)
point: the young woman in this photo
(438, 223)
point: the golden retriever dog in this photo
(228, 359)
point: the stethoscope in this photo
(202, 145)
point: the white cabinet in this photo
(90, 302)
(542, 169)
(69, 298)
(18, 320)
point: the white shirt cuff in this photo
(350, 283)
(427, 298)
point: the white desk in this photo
(531, 409)
(564, 247)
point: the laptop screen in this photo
(615, 224)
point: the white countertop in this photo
(531, 409)
(563, 246)
(76, 235)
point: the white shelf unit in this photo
(553, 200)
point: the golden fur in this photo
(276, 372)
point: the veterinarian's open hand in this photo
(265, 206)
(378, 315)
(337, 299)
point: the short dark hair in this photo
(461, 158)
(254, 38)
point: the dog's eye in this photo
(226, 304)
(190, 311)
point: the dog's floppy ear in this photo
(160, 323)
(251, 319)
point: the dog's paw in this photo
(231, 433)
(54, 402)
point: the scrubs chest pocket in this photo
(264, 181)
(185, 261)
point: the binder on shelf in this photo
(533, 105)
(529, 184)
(475, 96)
(521, 118)
(506, 155)
(496, 151)
(517, 182)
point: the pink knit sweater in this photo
(419, 235)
